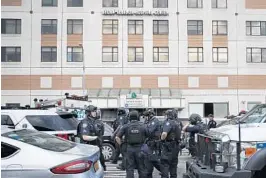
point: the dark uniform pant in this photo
(192, 146)
(134, 160)
(169, 160)
(123, 149)
(102, 160)
(152, 161)
(117, 152)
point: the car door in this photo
(9, 169)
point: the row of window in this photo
(135, 54)
(137, 3)
(110, 26)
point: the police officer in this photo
(211, 123)
(153, 130)
(121, 120)
(91, 130)
(195, 126)
(170, 137)
(135, 135)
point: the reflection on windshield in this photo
(41, 140)
(258, 115)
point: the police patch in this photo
(167, 123)
(84, 125)
(152, 123)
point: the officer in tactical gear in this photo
(122, 119)
(195, 126)
(153, 129)
(91, 130)
(135, 135)
(171, 134)
(212, 123)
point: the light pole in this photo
(83, 75)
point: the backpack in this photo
(135, 134)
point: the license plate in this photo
(96, 166)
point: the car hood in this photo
(249, 132)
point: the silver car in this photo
(31, 154)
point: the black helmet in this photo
(194, 119)
(90, 109)
(121, 111)
(134, 115)
(170, 114)
(149, 112)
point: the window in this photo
(49, 54)
(8, 150)
(74, 26)
(256, 55)
(194, 27)
(160, 27)
(49, 26)
(74, 3)
(251, 105)
(135, 54)
(219, 27)
(11, 26)
(195, 54)
(160, 3)
(256, 115)
(220, 55)
(41, 140)
(194, 3)
(135, 27)
(110, 27)
(256, 28)
(220, 4)
(110, 3)
(49, 3)
(110, 54)
(74, 54)
(6, 120)
(135, 3)
(160, 54)
(11, 54)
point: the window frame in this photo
(113, 25)
(112, 3)
(135, 26)
(158, 27)
(153, 4)
(16, 53)
(51, 26)
(198, 61)
(112, 53)
(72, 26)
(9, 118)
(218, 54)
(135, 4)
(54, 3)
(216, 7)
(68, 3)
(158, 53)
(196, 26)
(51, 53)
(217, 27)
(261, 52)
(135, 54)
(12, 146)
(197, 4)
(250, 28)
(18, 25)
(72, 47)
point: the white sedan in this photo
(30, 154)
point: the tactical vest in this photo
(175, 133)
(135, 134)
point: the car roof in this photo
(5, 129)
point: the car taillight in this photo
(75, 167)
(64, 136)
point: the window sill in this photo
(11, 35)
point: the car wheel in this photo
(108, 151)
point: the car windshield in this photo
(52, 122)
(41, 140)
(257, 115)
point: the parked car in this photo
(60, 124)
(36, 154)
(108, 147)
